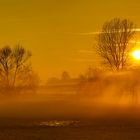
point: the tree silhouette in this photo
(6, 65)
(65, 76)
(113, 42)
(20, 57)
(15, 69)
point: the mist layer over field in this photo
(111, 95)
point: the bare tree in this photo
(20, 58)
(15, 69)
(65, 76)
(6, 65)
(113, 42)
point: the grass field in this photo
(80, 130)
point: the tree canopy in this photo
(15, 68)
(113, 42)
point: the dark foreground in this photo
(97, 129)
(67, 119)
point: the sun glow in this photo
(136, 54)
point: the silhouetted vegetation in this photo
(65, 76)
(113, 43)
(16, 72)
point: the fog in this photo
(106, 95)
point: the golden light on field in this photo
(136, 54)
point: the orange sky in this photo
(59, 32)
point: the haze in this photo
(60, 33)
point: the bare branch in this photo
(113, 42)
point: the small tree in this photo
(65, 76)
(15, 68)
(113, 43)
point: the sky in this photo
(60, 33)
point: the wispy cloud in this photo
(99, 32)
(134, 42)
(84, 60)
(137, 30)
(90, 33)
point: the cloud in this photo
(137, 30)
(99, 32)
(134, 42)
(83, 60)
(90, 33)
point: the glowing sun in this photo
(136, 54)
